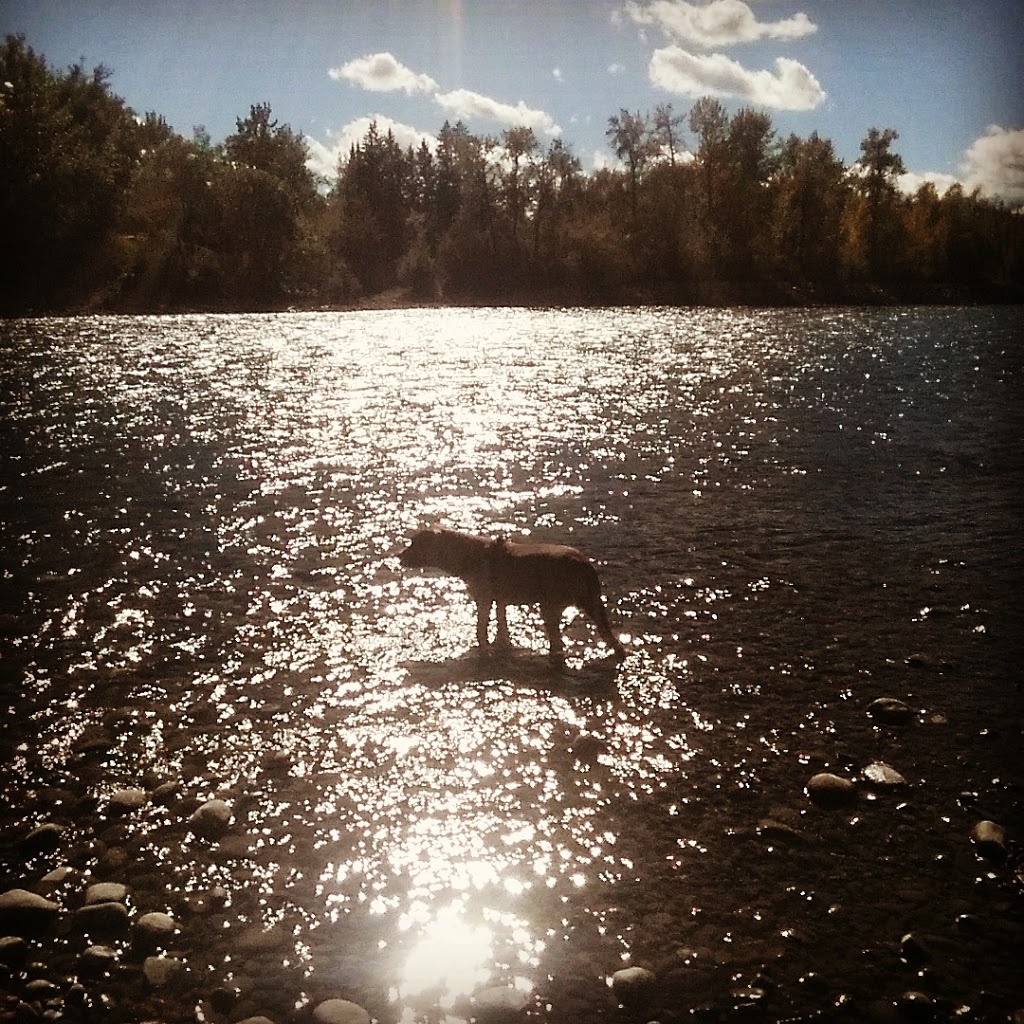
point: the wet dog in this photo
(501, 572)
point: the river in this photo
(793, 512)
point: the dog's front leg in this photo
(483, 619)
(502, 639)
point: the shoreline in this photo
(706, 295)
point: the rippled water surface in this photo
(793, 513)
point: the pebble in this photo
(43, 838)
(124, 801)
(632, 984)
(161, 970)
(24, 913)
(340, 1011)
(913, 952)
(212, 819)
(916, 1006)
(13, 950)
(109, 920)
(56, 877)
(778, 831)
(97, 959)
(153, 931)
(830, 791)
(990, 839)
(106, 892)
(889, 709)
(256, 1020)
(499, 1001)
(166, 794)
(882, 774)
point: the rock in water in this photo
(831, 792)
(152, 932)
(882, 775)
(632, 985)
(43, 838)
(889, 709)
(340, 1011)
(97, 960)
(913, 952)
(106, 892)
(990, 839)
(124, 801)
(160, 971)
(211, 820)
(500, 1003)
(24, 913)
(102, 920)
(13, 951)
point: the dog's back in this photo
(551, 575)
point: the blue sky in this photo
(946, 75)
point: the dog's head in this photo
(424, 548)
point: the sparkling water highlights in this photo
(793, 513)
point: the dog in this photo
(502, 572)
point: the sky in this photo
(945, 74)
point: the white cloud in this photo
(615, 69)
(556, 73)
(602, 160)
(994, 163)
(323, 156)
(463, 103)
(910, 182)
(718, 23)
(381, 72)
(789, 87)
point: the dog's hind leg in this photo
(553, 627)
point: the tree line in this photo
(106, 210)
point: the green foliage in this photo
(104, 209)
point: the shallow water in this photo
(793, 512)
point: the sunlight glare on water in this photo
(205, 525)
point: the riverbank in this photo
(708, 294)
(100, 928)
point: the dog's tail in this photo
(592, 602)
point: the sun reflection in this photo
(451, 959)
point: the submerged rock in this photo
(500, 1002)
(24, 913)
(212, 819)
(882, 774)
(913, 952)
(831, 792)
(107, 920)
(124, 801)
(153, 931)
(106, 892)
(990, 840)
(160, 970)
(778, 831)
(632, 985)
(340, 1011)
(13, 951)
(889, 709)
(97, 960)
(43, 838)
